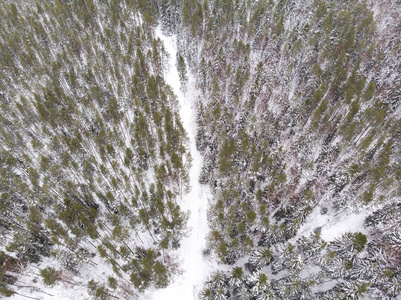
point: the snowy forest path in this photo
(192, 263)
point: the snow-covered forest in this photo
(200, 149)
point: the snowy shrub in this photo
(354, 289)
(349, 244)
(259, 282)
(237, 277)
(312, 246)
(384, 215)
(261, 257)
(216, 287)
(68, 260)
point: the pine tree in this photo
(49, 276)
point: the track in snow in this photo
(194, 266)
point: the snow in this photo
(333, 225)
(193, 264)
(349, 223)
(326, 286)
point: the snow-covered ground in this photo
(333, 225)
(192, 263)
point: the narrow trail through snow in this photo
(192, 263)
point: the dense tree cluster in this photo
(298, 112)
(93, 153)
(298, 106)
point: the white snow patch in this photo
(326, 286)
(345, 223)
(308, 271)
(333, 225)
